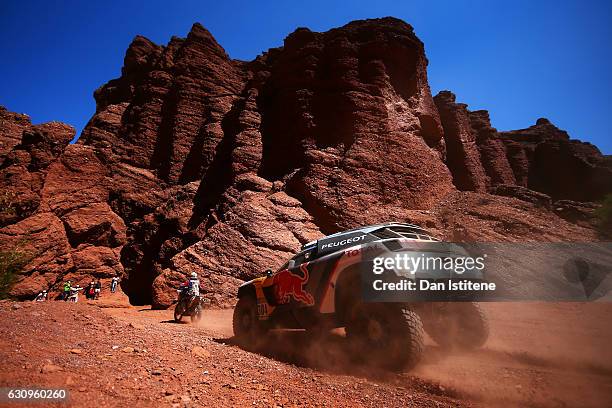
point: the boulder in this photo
(581, 213)
(96, 262)
(523, 193)
(26, 152)
(95, 224)
(12, 126)
(41, 241)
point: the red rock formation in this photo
(12, 126)
(165, 112)
(519, 163)
(477, 217)
(554, 164)
(493, 153)
(349, 117)
(541, 157)
(42, 238)
(196, 162)
(23, 169)
(525, 194)
(462, 154)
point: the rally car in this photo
(321, 288)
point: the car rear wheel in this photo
(462, 325)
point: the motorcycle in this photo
(188, 305)
(74, 294)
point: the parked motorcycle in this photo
(74, 294)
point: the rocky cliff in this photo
(197, 162)
(541, 157)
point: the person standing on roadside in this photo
(91, 294)
(87, 290)
(66, 293)
(114, 283)
(98, 289)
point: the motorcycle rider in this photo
(66, 293)
(194, 285)
(74, 293)
(189, 290)
(41, 297)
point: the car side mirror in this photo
(268, 272)
(291, 264)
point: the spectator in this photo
(92, 290)
(98, 289)
(114, 283)
(88, 290)
(66, 293)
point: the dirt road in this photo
(543, 355)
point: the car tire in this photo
(248, 330)
(462, 326)
(389, 336)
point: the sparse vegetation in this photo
(14, 259)
(604, 215)
(7, 201)
(11, 263)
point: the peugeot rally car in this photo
(326, 285)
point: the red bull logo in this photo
(288, 285)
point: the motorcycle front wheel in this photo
(178, 312)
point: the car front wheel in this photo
(386, 335)
(248, 330)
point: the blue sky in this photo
(520, 60)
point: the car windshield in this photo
(299, 258)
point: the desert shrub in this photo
(7, 203)
(604, 214)
(11, 263)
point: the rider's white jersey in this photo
(194, 287)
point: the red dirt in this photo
(544, 355)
